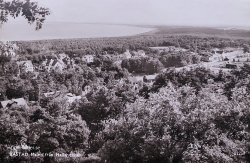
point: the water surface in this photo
(23, 31)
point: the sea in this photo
(19, 31)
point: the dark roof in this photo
(54, 62)
(65, 59)
(220, 51)
(48, 61)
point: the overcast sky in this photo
(151, 12)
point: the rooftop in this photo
(25, 62)
(18, 101)
(135, 79)
(150, 77)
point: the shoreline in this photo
(153, 31)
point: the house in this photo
(160, 49)
(26, 66)
(65, 59)
(139, 53)
(216, 57)
(57, 65)
(206, 56)
(62, 56)
(88, 58)
(68, 61)
(52, 94)
(72, 97)
(127, 54)
(217, 51)
(149, 78)
(135, 79)
(167, 49)
(52, 64)
(17, 102)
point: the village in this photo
(59, 64)
(215, 59)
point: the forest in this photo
(96, 46)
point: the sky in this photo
(151, 12)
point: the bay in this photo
(24, 31)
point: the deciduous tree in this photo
(29, 10)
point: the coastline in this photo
(153, 31)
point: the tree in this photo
(4, 59)
(178, 125)
(7, 51)
(29, 10)
(57, 127)
(245, 48)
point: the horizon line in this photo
(147, 24)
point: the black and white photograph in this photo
(124, 81)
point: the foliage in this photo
(145, 65)
(245, 48)
(176, 125)
(29, 10)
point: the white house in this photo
(88, 58)
(139, 53)
(52, 94)
(52, 64)
(72, 97)
(18, 102)
(26, 66)
(62, 56)
(127, 54)
(135, 79)
(149, 78)
(217, 51)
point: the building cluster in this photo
(60, 63)
(126, 55)
(168, 49)
(213, 55)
